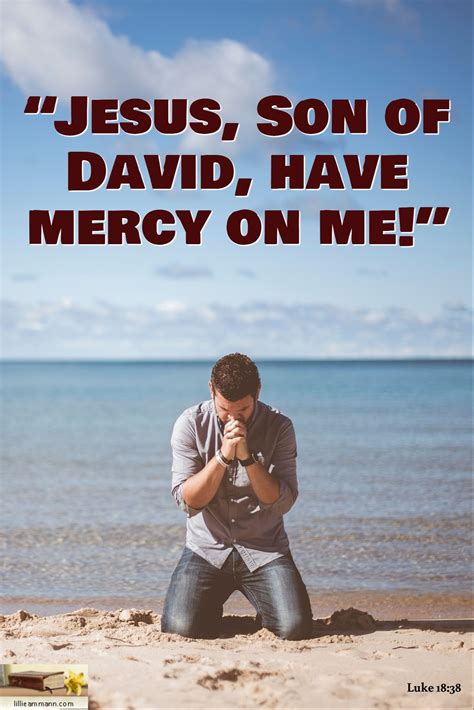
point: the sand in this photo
(352, 661)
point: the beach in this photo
(382, 524)
(352, 661)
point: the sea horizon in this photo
(256, 358)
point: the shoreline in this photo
(380, 604)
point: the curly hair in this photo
(235, 376)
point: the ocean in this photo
(384, 468)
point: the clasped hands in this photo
(234, 442)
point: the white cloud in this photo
(56, 47)
(374, 317)
(170, 308)
(267, 329)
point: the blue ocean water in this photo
(384, 467)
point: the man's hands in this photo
(266, 488)
(234, 442)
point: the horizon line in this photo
(424, 358)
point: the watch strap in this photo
(248, 462)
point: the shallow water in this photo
(384, 465)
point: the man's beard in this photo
(222, 423)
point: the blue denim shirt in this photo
(235, 518)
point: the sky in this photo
(286, 301)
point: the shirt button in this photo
(234, 540)
(233, 520)
(230, 479)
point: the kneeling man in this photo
(234, 474)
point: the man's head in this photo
(235, 386)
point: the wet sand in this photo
(381, 604)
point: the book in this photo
(36, 680)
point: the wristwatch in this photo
(248, 462)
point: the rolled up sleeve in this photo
(283, 467)
(186, 461)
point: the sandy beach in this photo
(352, 661)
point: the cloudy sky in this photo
(283, 301)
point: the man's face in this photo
(241, 409)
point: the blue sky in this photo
(286, 301)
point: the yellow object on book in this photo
(74, 682)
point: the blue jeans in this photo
(198, 590)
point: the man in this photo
(234, 474)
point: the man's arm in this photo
(266, 488)
(200, 489)
(277, 488)
(194, 486)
